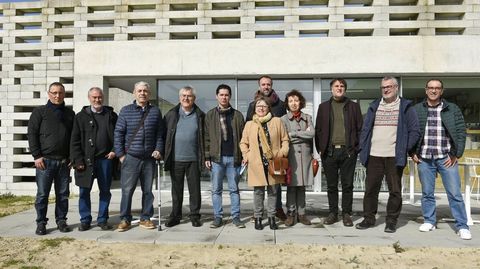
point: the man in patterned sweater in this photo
(389, 132)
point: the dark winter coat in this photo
(82, 145)
(48, 136)
(171, 120)
(352, 116)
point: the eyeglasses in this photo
(56, 93)
(388, 87)
(434, 88)
(262, 106)
(187, 96)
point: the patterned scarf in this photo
(267, 151)
(223, 120)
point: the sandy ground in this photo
(70, 253)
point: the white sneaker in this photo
(426, 227)
(464, 234)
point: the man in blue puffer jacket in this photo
(138, 142)
(389, 132)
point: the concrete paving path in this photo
(23, 224)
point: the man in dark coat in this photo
(49, 130)
(337, 132)
(184, 154)
(278, 109)
(91, 150)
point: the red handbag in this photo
(288, 176)
(315, 166)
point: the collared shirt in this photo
(436, 142)
(96, 111)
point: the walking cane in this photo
(159, 199)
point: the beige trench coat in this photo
(250, 148)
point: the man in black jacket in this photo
(49, 130)
(337, 132)
(265, 88)
(91, 150)
(184, 154)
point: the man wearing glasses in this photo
(441, 144)
(49, 130)
(184, 154)
(389, 132)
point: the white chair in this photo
(475, 177)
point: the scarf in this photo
(57, 109)
(297, 116)
(267, 151)
(272, 98)
(223, 120)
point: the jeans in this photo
(259, 198)
(133, 169)
(219, 170)
(427, 171)
(178, 173)
(340, 161)
(103, 173)
(56, 172)
(377, 169)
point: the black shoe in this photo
(63, 227)
(217, 223)
(105, 226)
(347, 220)
(41, 229)
(196, 222)
(172, 222)
(272, 223)
(390, 228)
(84, 227)
(331, 219)
(364, 225)
(258, 224)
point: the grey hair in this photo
(395, 81)
(142, 83)
(187, 89)
(95, 89)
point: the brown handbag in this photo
(278, 166)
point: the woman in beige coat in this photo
(263, 138)
(300, 130)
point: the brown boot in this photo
(303, 220)
(290, 219)
(280, 214)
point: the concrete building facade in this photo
(301, 44)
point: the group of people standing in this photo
(432, 132)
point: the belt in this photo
(338, 146)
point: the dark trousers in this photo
(57, 173)
(377, 168)
(178, 173)
(339, 162)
